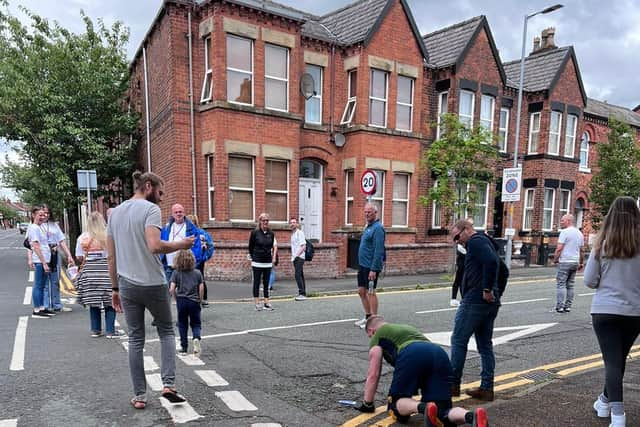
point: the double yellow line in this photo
(515, 379)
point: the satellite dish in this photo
(339, 139)
(307, 85)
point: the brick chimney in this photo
(536, 44)
(548, 41)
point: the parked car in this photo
(22, 227)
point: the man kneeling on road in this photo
(418, 364)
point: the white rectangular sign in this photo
(511, 184)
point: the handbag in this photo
(26, 243)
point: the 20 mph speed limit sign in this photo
(368, 182)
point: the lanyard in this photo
(176, 232)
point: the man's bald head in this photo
(177, 212)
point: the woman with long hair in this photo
(613, 270)
(93, 283)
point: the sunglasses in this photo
(457, 236)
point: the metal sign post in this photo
(87, 180)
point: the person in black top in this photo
(262, 253)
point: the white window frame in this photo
(317, 95)
(237, 70)
(443, 108)
(534, 131)
(487, 122)
(205, 95)
(436, 209)
(484, 206)
(285, 192)
(380, 184)
(584, 149)
(210, 187)
(350, 107)
(252, 190)
(412, 81)
(548, 210)
(554, 134)
(384, 100)
(348, 198)
(461, 198)
(503, 130)
(467, 117)
(564, 210)
(570, 136)
(397, 200)
(528, 207)
(268, 77)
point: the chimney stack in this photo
(536, 44)
(548, 41)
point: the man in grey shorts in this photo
(138, 281)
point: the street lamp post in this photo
(517, 140)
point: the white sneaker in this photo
(361, 323)
(197, 348)
(618, 420)
(258, 307)
(454, 303)
(66, 309)
(300, 298)
(602, 409)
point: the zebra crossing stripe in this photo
(181, 412)
(191, 360)
(27, 295)
(266, 425)
(154, 381)
(31, 276)
(150, 364)
(212, 378)
(9, 423)
(236, 401)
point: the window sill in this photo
(546, 156)
(315, 126)
(385, 131)
(584, 170)
(247, 108)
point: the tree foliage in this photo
(62, 95)
(617, 171)
(461, 157)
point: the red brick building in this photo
(220, 84)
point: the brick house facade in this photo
(220, 83)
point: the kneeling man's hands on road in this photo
(363, 406)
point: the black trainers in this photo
(40, 315)
(268, 307)
(48, 312)
(567, 309)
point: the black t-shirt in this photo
(187, 284)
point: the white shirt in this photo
(178, 232)
(35, 233)
(297, 240)
(572, 240)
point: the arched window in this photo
(584, 152)
(579, 212)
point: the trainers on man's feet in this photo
(480, 418)
(268, 307)
(96, 334)
(113, 335)
(481, 394)
(567, 309)
(361, 323)
(300, 298)
(454, 303)
(258, 307)
(197, 348)
(48, 312)
(40, 315)
(431, 416)
(63, 309)
(602, 409)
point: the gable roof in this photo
(449, 46)
(542, 70)
(605, 110)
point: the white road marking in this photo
(17, 358)
(27, 295)
(274, 328)
(191, 360)
(150, 364)
(31, 276)
(266, 425)
(587, 294)
(504, 303)
(154, 381)
(235, 401)
(444, 338)
(212, 378)
(181, 412)
(9, 423)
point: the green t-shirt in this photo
(393, 338)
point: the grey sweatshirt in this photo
(617, 285)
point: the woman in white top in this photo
(613, 270)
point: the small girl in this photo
(187, 287)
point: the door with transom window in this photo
(310, 200)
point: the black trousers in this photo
(298, 265)
(261, 273)
(616, 335)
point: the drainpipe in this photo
(146, 107)
(331, 83)
(194, 195)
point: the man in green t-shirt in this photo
(418, 365)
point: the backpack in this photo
(309, 251)
(503, 269)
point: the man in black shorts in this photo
(419, 365)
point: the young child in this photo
(187, 287)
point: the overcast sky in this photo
(606, 38)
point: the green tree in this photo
(461, 159)
(617, 171)
(63, 96)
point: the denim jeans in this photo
(477, 320)
(39, 283)
(298, 265)
(52, 290)
(135, 300)
(188, 315)
(109, 319)
(565, 279)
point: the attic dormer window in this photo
(350, 108)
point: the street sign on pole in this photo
(511, 184)
(87, 180)
(368, 182)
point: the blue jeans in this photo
(109, 319)
(188, 315)
(39, 283)
(52, 290)
(477, 320)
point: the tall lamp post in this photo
(517, 140)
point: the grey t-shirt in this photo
(187, 284)
(134, 260)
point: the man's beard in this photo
(151, 197)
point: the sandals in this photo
(138, 404)
(172, 395)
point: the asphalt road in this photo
(288, 367)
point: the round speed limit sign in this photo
(368, 182)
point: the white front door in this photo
(311, 207)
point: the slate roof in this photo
(606, 110)
(540, 69)
(351, 24)
(446, 45)
(271, 7)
